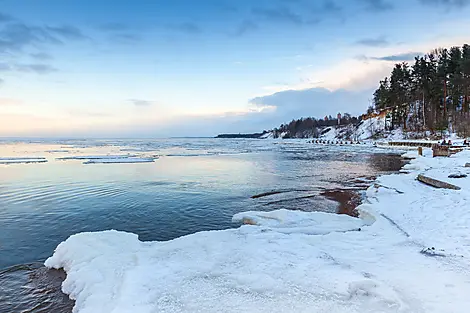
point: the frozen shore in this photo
(408, 252)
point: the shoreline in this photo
(293, 230)
(395, 244)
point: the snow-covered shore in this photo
(408, 252)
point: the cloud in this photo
(279, 14)
(9, 101)
(140, 102)
(329, 6)
(66, 31)
(188, 28)
(41, 56)
(14, 37)
(1, 81)
(245, 27)
(316, 102)
(447, 3)
(35, 68)
(378, 5)
(373, 42)
(5, 18)
(408, 56)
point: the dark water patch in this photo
(32, 288)
(386, 162)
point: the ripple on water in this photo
(37, 289)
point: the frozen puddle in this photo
(19, 160)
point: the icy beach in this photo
(408, 252)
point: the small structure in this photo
(445, 150)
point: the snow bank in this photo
(438, 218)
(119, 160)
(411, 254)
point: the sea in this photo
(185, 185)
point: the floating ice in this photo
(57, 151)
(119, 160)
(18, 160)
(96, 157)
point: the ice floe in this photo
(19, 160)
(97, 157)
(119, 160)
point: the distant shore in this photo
(253, 135)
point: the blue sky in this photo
(180, 68)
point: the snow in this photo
(329, 134)
(408, 252)
(119, 160)
(19, 160)
(370, 127)
(268, 135)
(288, 222)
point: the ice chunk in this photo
(96, 157)
(18, 160)
(120, 160)
(313, 223)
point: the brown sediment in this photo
(348, 200)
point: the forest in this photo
(310, 126)
(429, 96)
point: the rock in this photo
(457, 175)
(436, 183)
(467, 164)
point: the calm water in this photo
(195, 185)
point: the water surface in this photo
(194, 185)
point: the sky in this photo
(89, 68)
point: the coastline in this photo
(410, 255)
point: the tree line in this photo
(432, 94)
(309, 127)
